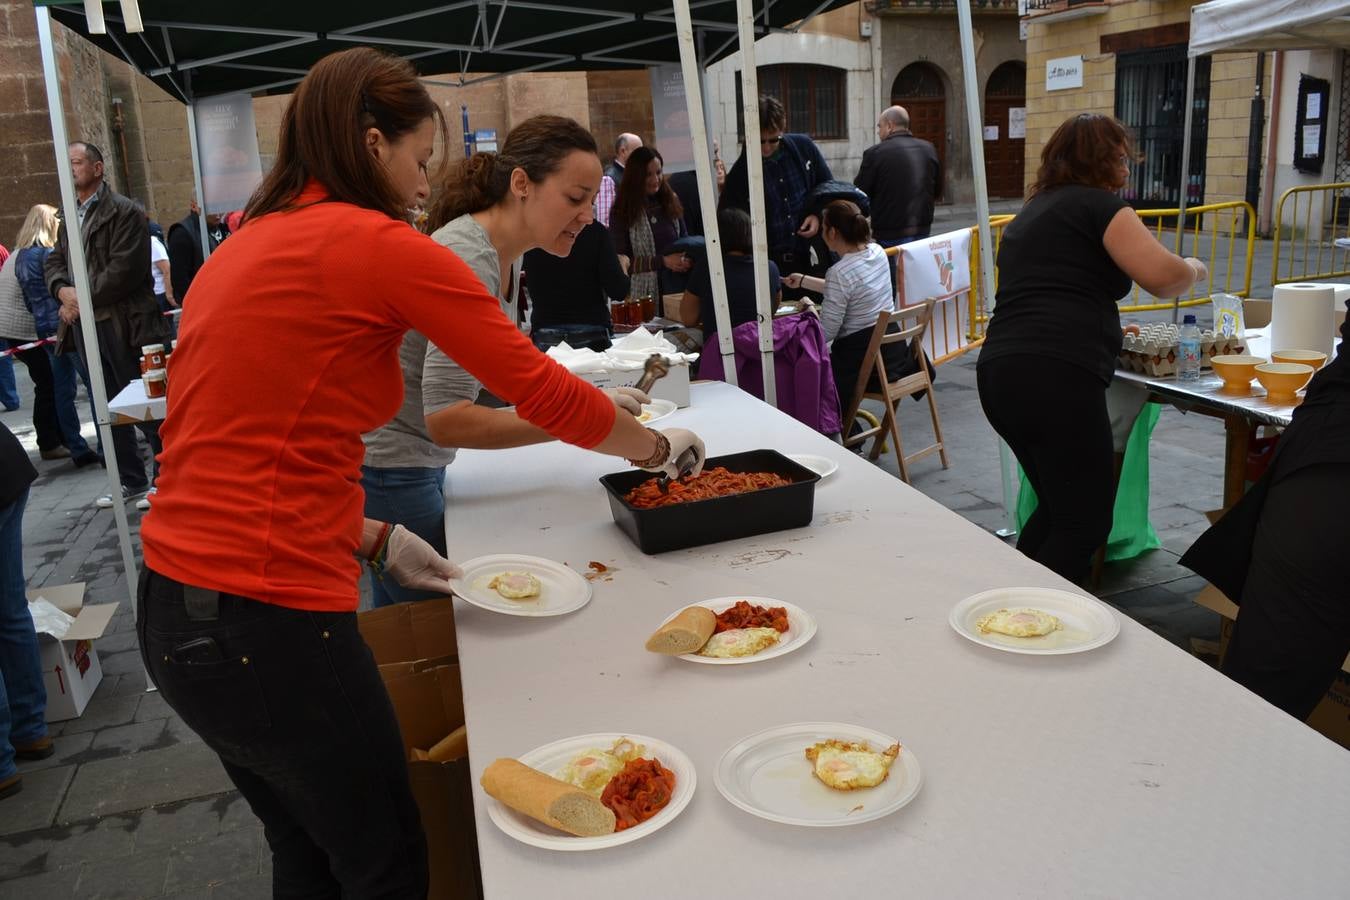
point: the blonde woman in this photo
(36, 239)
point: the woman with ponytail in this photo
(492, 207)
(247, 604)
(645, 220)
(856, 290)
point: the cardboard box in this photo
(430, 705)
(411, 636)
(673, 387)
(1332, 716)
(70, 669)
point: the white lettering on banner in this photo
(228, 141)
(670, 115)
(1064, 73)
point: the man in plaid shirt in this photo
(793, 167)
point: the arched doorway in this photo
(919, 88)
(1004, 156)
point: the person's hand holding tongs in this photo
(685, 453)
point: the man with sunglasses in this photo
(793, 168)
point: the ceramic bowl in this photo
(1283, 380)
(1236, 370)
(1314, 358)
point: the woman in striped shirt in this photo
(857, 289)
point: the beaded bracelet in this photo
(657, 458)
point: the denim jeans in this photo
(410, 497)
(23, 699)
(292, 702)
(9, 388)
(65, 369)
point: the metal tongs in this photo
(653, 370)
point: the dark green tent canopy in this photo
(199, 49)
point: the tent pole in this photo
(970, 80)
(754, 168)
(707, 196)
(79, 270)
(202, 227)
(1187, 116)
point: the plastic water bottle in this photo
(1188, 350)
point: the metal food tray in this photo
(720, 518)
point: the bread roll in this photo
(546, 799)
(685, 633)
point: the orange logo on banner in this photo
(946, 264)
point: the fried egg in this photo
(739, 642)
(594, 768)
(516, 585)
(847, 766)
(1019, 623)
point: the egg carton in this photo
(1155, 351)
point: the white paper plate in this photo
(552, 758)
(801, 628)
(821, 465)
(1088, 623)
(768, 775)
(561, 589)
(656, 411)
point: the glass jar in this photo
(648, 309)
(156, 383)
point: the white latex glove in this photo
(1201, 270)
(415, 564)
(681, 440)
(628, 399)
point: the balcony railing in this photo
(884, 7)
(1035, 8)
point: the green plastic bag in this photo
(1131, 533)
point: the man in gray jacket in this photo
(116, 240)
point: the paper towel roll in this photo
(1303, 317)
(1342, 294)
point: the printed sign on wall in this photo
(671, 115)
(228, 141)
(1064, 73)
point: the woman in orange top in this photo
(246, 606)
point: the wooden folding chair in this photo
(889, 391)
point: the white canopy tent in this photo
(1236, 26)
(161, 56)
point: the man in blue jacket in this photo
(793, 168)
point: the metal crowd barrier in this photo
(1213, 238)
(1319, 243)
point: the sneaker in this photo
(11, 785)
(57, 452)
(144, 502)
(41, 748)
(105, 502)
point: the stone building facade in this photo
(1133, 56)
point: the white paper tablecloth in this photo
(1130, 771)
(131, 405)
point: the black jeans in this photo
(1053, 416)
(294, 705)
(121, 366)
(1293, 632)
(45, 423)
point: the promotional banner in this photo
(671, 115)
(227, 139)
(939, 267)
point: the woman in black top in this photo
(1051, 345)
(738, 271)
(1280, 554)
(645, 220)
(575, 289)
